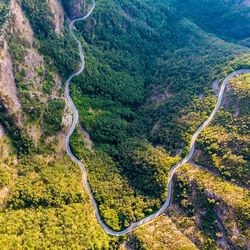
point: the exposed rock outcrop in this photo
(58, 13)
(3, 194)
(4, 147)
(31, 67)
(8, 90)
(32, 62)
(21, 28)
(1, 131)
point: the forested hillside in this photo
(153, 69)
(137, 88)
(225, 144)
(228, 19)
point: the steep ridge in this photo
(34, 170)
(204, 203)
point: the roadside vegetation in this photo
(113, 186)
(43, 203)
(47, 201)
(224, 146)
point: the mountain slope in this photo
(146, 88)
(41, 190)
(228, 19)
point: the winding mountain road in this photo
(174, 168)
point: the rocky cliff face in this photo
(25, 71)
(74, 8)
(58, 13)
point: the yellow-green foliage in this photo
(241, 84)
(161, 234)
(225, 143)
(111, 186)
(8, 170)
(206, 206)
(68, 227)
(144, 170)
(130, 58)
(233, 195)
(52, 209)
(45, 182)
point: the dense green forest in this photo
(146, 88)
(136, 88)
(228, 19)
